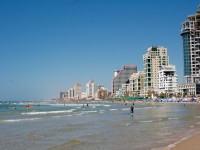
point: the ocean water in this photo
(99, 126)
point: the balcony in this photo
(197, 49)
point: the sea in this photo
(99, 126)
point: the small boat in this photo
(28, 106)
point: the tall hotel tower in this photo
(77, 90)
(191, 48)
(154, 58)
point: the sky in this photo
(48, 45)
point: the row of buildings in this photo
(159, 77)
(92, 91)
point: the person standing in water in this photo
(132, 109)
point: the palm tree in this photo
(150, 92)
(162, 95)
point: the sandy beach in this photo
(191, 143)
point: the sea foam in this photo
(48, 112)
(19, 120)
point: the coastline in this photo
(119, 101)
(86, 128)
(191, 143)
(186, 143)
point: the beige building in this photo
(189, 90)
(136, 87)
(155, 57)
(77, 91)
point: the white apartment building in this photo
(118, 93)
(71, 93)
(91, 89)
(168, 80)
(125, 89)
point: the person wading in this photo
(132, 108)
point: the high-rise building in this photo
(91, 89)
(168, 80)
(70, 93)
(155, 57)
(77, 90)
(191, 48)
(122, 77)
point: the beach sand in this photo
(191, 143)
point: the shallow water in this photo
(100, 126)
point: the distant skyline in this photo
(47, 45)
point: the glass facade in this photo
(197, 88)
(122, 77)
(191, 47)
(186, 54)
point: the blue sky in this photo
(48, 45)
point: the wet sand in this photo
(191, 143)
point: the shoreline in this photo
(120, 101)
(117, 119)
(190, 143)
(186, 142)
